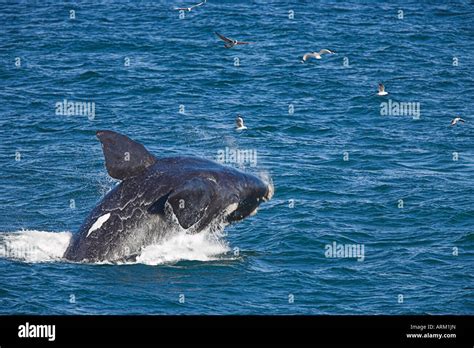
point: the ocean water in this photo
(398, 186)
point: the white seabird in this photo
(381, 90)
(239, 124)
(316, 55)
(191, 7)
(456, 120)
(229, 43)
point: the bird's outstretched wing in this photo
(190, 7)
(325, 51)
(200, 4)
(223, 38)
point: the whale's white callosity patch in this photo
(231, 208)
(212, 179)
(254, 212)
(100, 221)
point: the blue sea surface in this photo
(400, 186)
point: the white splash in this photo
(98, 224)
(42, 246)
(204, 246)
(34, 246)
(267, 179)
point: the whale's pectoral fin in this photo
(158, 207)
(124, 158)
(191, 200)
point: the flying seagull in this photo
(456, 120)
(239, 123)
(191, 7)
(229, 43)
(316, 55)
(382, 90)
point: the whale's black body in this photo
(157, 195)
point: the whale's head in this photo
(250, 192)
(203, 191)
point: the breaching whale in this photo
(156, 195)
